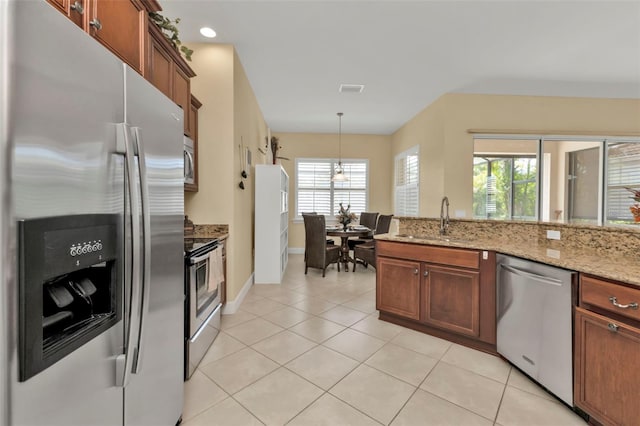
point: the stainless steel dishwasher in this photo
(534, 322)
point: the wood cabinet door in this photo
(159, 69)
(451, 299)
(182, 96)
(398, 287)
(606, 372)
(120, 25)
(73, 9)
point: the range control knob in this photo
(99, 245)
(95, 247)
(73, 251)
(83, 250)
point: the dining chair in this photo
(367, 219)
(329, 240)
(366, 252)
(318, 254)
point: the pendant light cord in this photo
(340, 140)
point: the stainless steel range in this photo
(203, 281)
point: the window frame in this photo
(603, 187)
(333, 162)
(404, 155)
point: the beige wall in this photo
(447, 147)
(375, 148)
(229, 116)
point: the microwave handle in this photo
(124, 362)
(188, 164)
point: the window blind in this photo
(315, 192)
(406, 193)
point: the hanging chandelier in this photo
(338, 175)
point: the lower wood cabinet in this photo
(607, 351)
(607, 372)
(398, 287)
(451, 299)
(444, 291)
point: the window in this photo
(315, 192)
(623, 170)
(406, 183)
(574, 179)
(504, 187)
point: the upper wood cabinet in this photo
(73, 9)
(168, 71)
(120, 25)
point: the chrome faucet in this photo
(444, 220)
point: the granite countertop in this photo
(221, 232)
(616, 267)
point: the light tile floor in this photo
(311, 351)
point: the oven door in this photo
(204, 291)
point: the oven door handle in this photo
(146, 248)
(125, 362)
(198, 259)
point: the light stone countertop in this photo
(623, 268)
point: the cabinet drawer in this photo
(432, 254)
(610, 296)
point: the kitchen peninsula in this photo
(454, 275)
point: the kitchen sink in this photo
(434, 239)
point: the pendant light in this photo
(338, 175)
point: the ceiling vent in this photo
(351, 88)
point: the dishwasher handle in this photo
(541, 278)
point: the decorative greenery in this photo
(635, 192)
(170, 31)
(635, 209)
(345, 216)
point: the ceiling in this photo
(409, 53)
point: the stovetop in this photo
(198, 246)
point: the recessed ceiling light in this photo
(207, 32)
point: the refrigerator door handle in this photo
(125, 362)
(146, 248)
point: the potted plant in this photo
(170, 31)
(635, 208)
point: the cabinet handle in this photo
(416, 272)
(614, 302)
(95, 23)
(426, 273)
(613, 328)
(77, 6)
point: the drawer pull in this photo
(415, 271)
(614, 302)
(613, 327)
(426, 273)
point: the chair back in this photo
(368, 219)
(315, 242)
(384, 222)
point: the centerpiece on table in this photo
(345, 217)
(635, 208)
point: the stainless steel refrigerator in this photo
(91, 181)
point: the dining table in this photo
(345, 234)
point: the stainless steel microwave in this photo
(189, 161)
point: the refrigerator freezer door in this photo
(154, 394)
(66, 97)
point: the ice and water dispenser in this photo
(70, 276)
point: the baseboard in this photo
(296, 250)
(231, 306)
